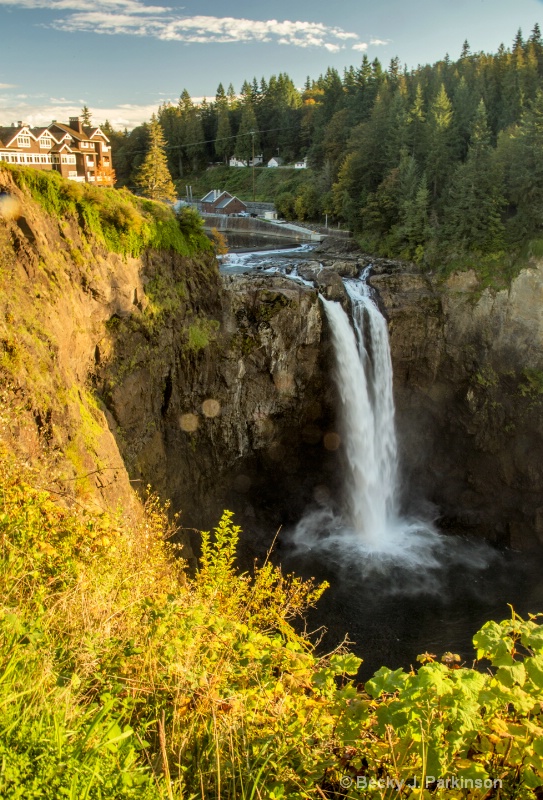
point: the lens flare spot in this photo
(211, 408)
(188, 422)
(10, 208)
(332, 441)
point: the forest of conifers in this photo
(442, 163)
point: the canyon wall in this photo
(468, 372)
(217, 392)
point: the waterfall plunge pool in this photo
(398, 586)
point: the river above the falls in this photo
(393, 608)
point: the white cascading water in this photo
(370, 531)
(364, 378)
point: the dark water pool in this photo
(391, 618)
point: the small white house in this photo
(301, 164)
(236, 162)
(276, 161)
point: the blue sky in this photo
(123, 58)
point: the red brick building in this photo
(218, 202)
(79, 153)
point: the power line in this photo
(217, 139)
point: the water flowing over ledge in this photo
(370, 530)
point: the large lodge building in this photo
(79, 153)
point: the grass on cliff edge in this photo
(122, 222)
(122, 677)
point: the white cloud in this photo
(127, 115)
(361, 46)
(7, 86)
(377, 42)
(133, 17)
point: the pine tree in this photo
(86, 116)
(440, 157)
(525, 163)
(473, 216)
(416, 126)
(223, 141)
(154, 177)
(191, 131)
(248, 138)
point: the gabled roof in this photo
(60, 146)
(277, 159)
(215, 196)
(73, 133)
(91, 132)
(39, 133)
(8, 134)
(225, 202)
(211, 196)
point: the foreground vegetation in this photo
(123, 677)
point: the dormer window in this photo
(23, 141)
(46, 142)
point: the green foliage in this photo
(123, 223)
(122, 677)
(532, 383)
(153, 177)
(471, 128)
(201, 332)
(238, 181)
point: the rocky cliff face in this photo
(134, 371)
(217, 392)
(468, 367)
(237, 422)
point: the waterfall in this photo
(364, 379)
(370, 532)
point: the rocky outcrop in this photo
(151, 370)
(468, 372)
(237, 423)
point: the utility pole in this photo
(253, 141)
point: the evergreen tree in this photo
(86, 116)
(473, 220)
(525, 171)
(153, 177)
(248, 138)
(439, 158)
(223, 139)
(416, 126)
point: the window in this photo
(67, 159)
(23, 141)
(46, 142)
(29, 159)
